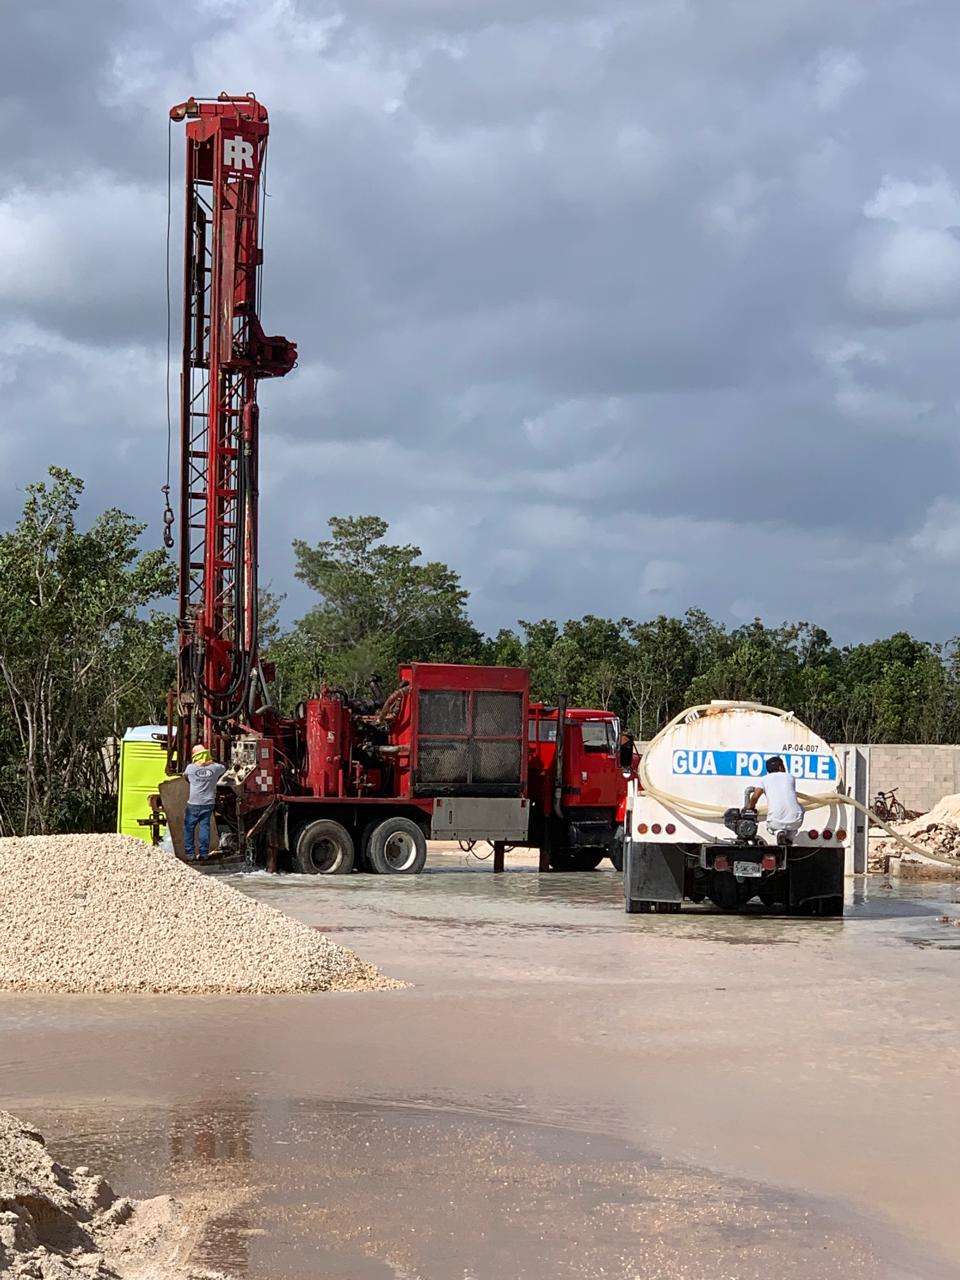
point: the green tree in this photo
(380, 605)
(80, 659)
(666, 655)
(897, 690)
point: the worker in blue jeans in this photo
(203, 776)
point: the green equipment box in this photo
(143, 766)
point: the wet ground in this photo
(564, 1091)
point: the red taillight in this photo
(721, 864)
(813, 834)
(769, 862)
(656, 828)
(670, 829)
(841, 835)
(826, 835)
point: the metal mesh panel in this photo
(498, 715)
(495, 761)
(443, 711)
(443, 761)
(470, 742)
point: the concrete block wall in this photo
(920, 774)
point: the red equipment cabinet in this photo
(465, 731)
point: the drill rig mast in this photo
(221, 690)
(343, 781)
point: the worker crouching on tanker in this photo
(784, 812)
(203, 776)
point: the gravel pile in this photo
(110, 913)
(64, 1224)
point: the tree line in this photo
(87, 636)
(380, 605)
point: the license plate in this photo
(746, 869)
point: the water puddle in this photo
(562, 1091)
(347, 1191)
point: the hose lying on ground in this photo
(686, 807)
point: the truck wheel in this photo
(576, 859)
(324, 848)
(397, 847)
(722, 890)
(363, 848)
(617, 859)
(831, 906)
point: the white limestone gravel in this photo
(102, 913)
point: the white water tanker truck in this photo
(691, 831)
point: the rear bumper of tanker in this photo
(799, 879)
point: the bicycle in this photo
(889, 809)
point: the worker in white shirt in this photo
(784, 812)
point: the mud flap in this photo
(814, 875)
(653, 872)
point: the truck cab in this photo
(577, 787)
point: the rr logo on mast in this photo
(238, 153)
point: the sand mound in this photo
(937, 831)
(109, 913)
(62, 1224)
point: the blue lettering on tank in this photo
(752, 764)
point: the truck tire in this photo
(324, 848)
(617, 859)
(576, 859)
(397, 846)
(362, 862)
(832, 906)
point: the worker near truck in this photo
(203, 776)
(784, 812)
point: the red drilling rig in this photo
(455, 751)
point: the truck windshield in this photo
(599, 735)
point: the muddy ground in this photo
(564, 1091)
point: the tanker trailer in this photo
(692, 833)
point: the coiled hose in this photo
(684, 806)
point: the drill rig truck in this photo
(454, 752)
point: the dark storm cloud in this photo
(614, 305)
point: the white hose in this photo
(684, 806)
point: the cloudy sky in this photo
(618, 306)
